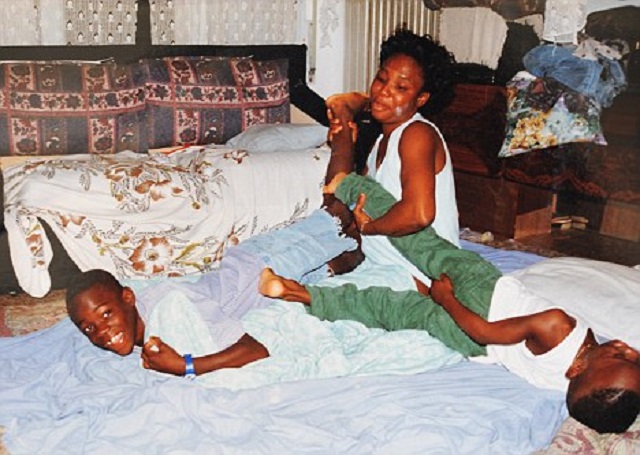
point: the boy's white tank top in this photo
(377, 248)
(512, 299)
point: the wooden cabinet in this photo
(507, 209)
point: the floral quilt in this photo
(141, 216)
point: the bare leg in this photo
(342, 152)
(277, 287)
(348, 260)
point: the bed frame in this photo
(301, 95)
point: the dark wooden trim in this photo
(143, 24)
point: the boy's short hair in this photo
(611, 410)
(86, 280)
(437, 63)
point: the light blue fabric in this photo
(280, 137)
(599, 79)
(369, 274)
(59, 395)
(179, 323)
(301, 247)
(506, 261)
(222, 296)
(303, 347)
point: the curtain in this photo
(97, 22)
(62, 22)
(226, 21)
(473, 35)
(20, 23)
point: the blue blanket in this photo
(61, 395)
(303, 347)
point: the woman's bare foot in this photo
(277, 287)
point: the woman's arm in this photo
(416, 209)
(159, 356)
(541, 331)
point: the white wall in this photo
(329, 47)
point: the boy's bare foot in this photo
(277, 287)
(270, 284)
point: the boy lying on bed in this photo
(113, 317)
(110, 316)
(210, 319)
(487, 314)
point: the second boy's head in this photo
(105, 311)
(604, 387)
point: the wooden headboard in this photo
(302, 96)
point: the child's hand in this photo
(152, 344)
(441, 289)
(360, 216)
(159, 356)
(336, 126)
(346, 105)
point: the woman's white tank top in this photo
(377, 247)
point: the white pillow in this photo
(279, 137)
(605, 295)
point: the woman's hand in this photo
(158, 356)
(342, 109)
(360, 216)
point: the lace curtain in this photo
(95, 22)
(227, 21)
(563, 19)
(61, 22)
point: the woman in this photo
(410, 158)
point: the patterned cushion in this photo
(543, 113)
(62, 108)
(210, 100)
(574, 438)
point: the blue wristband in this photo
(189, 368)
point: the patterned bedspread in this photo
(141, 216)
